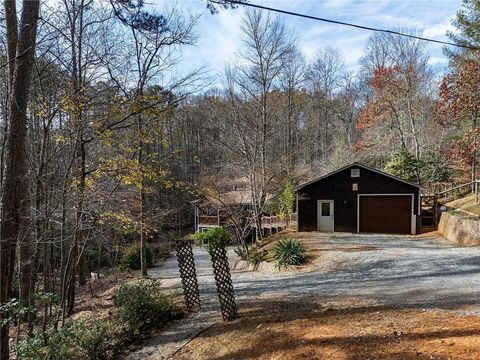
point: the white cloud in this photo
(438, 60)
(219, 39)
(439, 30)
(219, 35)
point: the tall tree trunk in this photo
(15, 212)
(82, 269)
(79, 91)
(141, 198)
(325, 129)
(76, 256)
(415, 137)
(475, 150)
(264, 138)
(12, 38)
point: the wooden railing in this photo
(471, 186)
(275, 221)
(208, 220)
(430, 204)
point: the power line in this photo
(237, 2)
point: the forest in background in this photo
(117, 139)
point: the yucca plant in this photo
(289, 251)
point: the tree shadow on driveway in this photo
(286, 329)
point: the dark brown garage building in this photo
(357, 198)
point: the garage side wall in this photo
(339, 188)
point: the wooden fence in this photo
(274, 223)
(210, 220)
(429, 205)
(458, 191)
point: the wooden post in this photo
(476, 191)
(195, 219)
(296, 210)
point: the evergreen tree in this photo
(467, 23)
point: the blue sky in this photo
(219, 35)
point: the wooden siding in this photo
(338, 187)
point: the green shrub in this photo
(62, 344)
(212, 237)
(284, 202)
(253, 255)
(256, 256)
(131, 257)
(241, 252)
(289, 251)
(143, 306)
(13, 310)
(82, 339)
(31, 348)
(77, 340)
(93, 338)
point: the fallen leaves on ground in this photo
(308, 330)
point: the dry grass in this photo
(269, 242)
(466, 205)
(464, 201)
(95, 300)
(472, 208)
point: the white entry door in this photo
(325, 215)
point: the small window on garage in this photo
(354, 173)
(325, 209)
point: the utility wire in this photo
(237, 2)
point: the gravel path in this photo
(384, 270)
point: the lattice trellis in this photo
(224, 282)
(188, 274)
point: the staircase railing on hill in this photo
(430, 204)
(472, 186)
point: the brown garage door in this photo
(385, 214)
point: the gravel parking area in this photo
(424, 271)
(417, 272)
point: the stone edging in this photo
(264, 266)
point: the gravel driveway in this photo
(384, 270)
